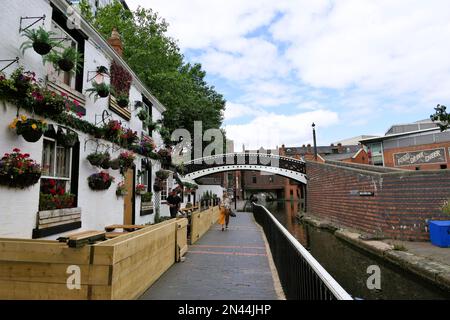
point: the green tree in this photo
(442, 116)
(157, 60)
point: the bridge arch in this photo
(288, 167)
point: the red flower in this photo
(52, 182)
(53, 191)
(16, 150)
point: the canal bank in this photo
(401, 253)
(349, 262)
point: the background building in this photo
(414, 146)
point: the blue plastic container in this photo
(440, 233)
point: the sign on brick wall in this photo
(419, 157)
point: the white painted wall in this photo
(18, 208)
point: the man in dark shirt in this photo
(174, 202)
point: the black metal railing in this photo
(301, 276)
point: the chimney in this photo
(115, 41)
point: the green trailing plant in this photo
(442, 117)
(101, 90)
(99, 159)
(68, 139)
(146, 197)
(41, 40)
(162, 174)
(142, 115)
(69, 60)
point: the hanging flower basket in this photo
(162, 174)
(100, 181)
(46, 102)
(30, 129)
(17, 170)
(114, 164)
(40, 40)
(99, 89)
(69, 60)
(99, 159)
(157, 186)
(68, 139)
(141, 189)
(126, 160)
(121, 190)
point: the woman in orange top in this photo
(225, 209)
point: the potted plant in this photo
(126, 160)
(47, 102)
(162, 174)
(114, 164)
(99, 89)
(100, 181)
(165, 157)
(68, 60)
(151, 125)
(140, 189)
(142, 115)
(40, 40)
(113, 130)
(121, 189)
(68, 139)
(24, 82)
(99, 159)
(123, 100)
(128, 138)
(30, 129)
(18, 170)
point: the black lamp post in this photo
(315, 144)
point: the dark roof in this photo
(338, 156)
(323, 150)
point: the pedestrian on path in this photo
(174, 202)
(225, 209)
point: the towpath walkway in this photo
(229, 265)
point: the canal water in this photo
(348, 264)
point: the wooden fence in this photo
(202, 221)
(120, 268)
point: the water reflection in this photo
(348, 264)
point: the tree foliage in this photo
(156, 59)
(442, 116)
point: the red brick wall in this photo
(389, 156)
(403, 201)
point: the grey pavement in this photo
(222, 265)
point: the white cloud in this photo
(236, 110)
(271, 130)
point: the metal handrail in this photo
(333, 286)
(245, 154)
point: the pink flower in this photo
(16, 150)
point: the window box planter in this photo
(50, 222)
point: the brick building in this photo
(414, 146)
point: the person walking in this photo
(225, 209)
(174, 202)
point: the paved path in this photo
(226, 265)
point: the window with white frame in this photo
(56, 168)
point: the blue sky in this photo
(351, 66)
